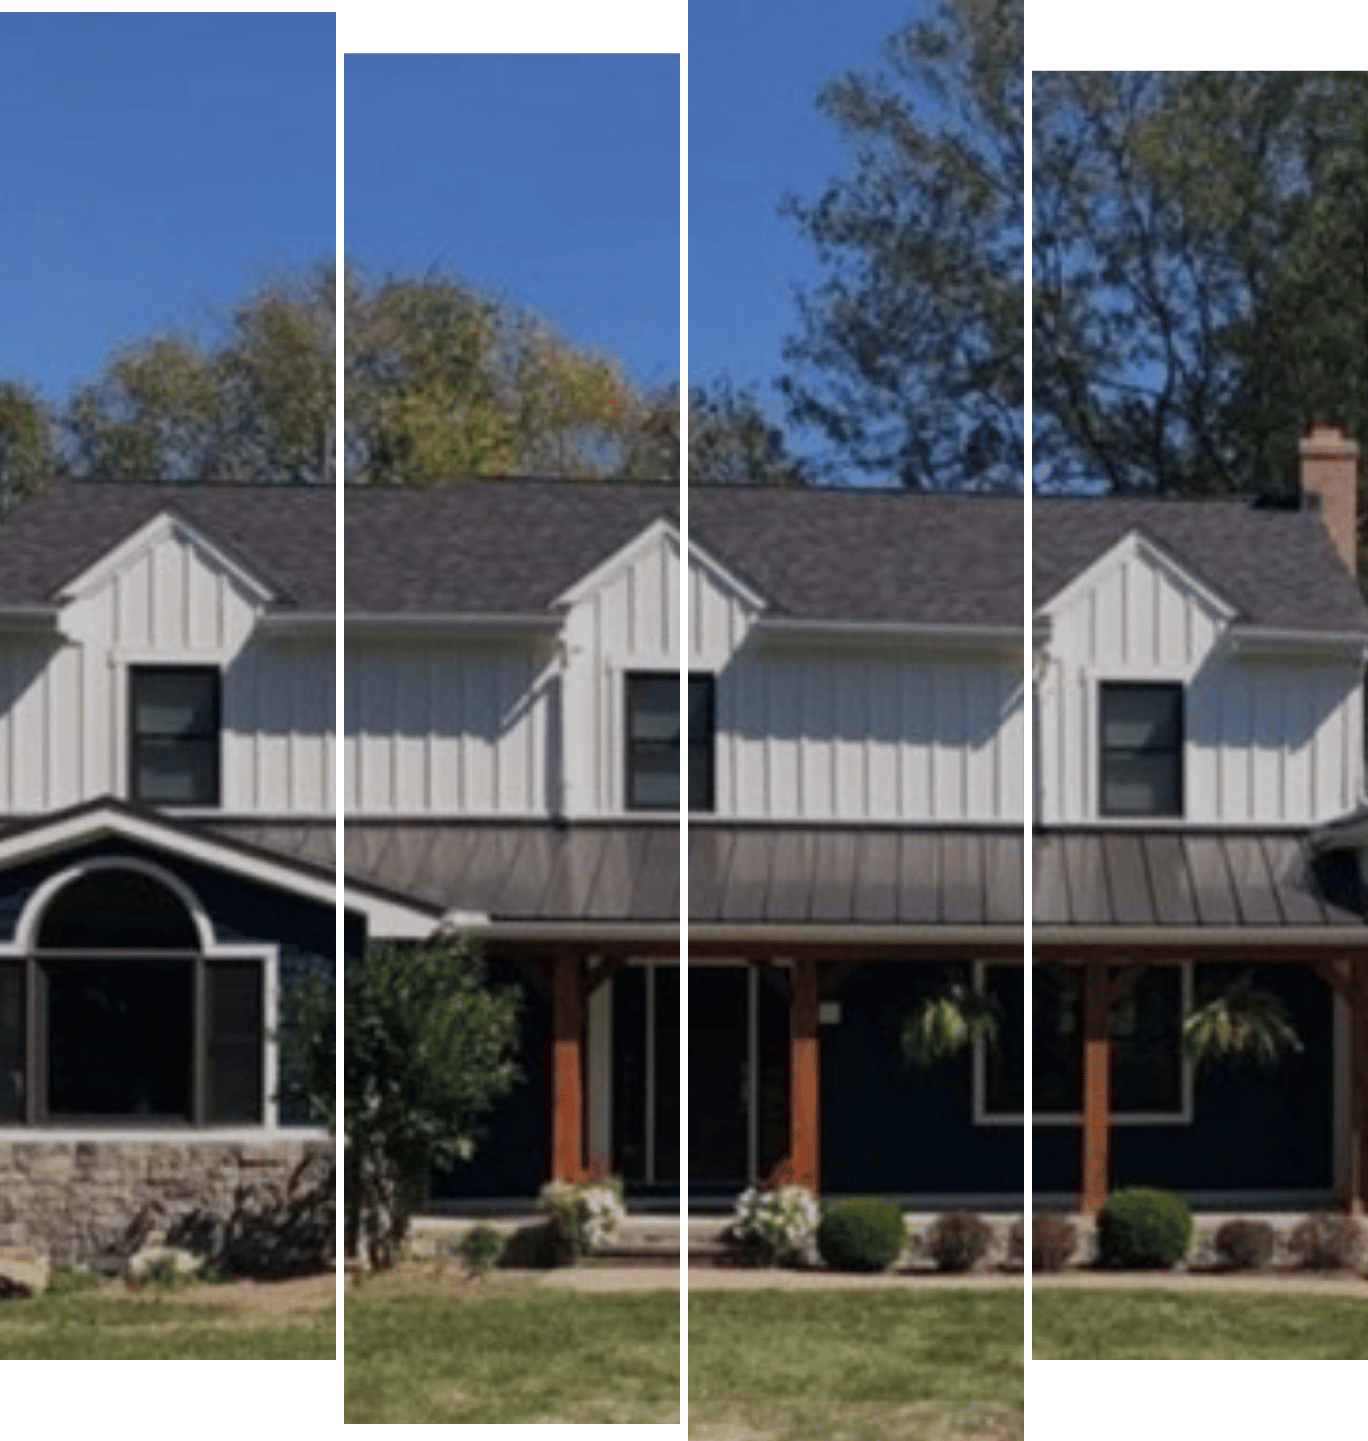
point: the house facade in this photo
(850, 755)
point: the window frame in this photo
(24, 956)
(213, 736)
(1183, 1116)
(686, 738)
(1178, 690)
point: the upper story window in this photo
(1141, 753)
(653, 742)
(174, 726)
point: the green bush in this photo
(864, 1233)
(1144, 1230)
(481, 1246)
(958, 1241)
(1244, 1245)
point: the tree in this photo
(1200, 269)
(908, 360)
(27, 455)
(442, 381)
(732, 441)
(428, 1049)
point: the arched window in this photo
(118, 1016)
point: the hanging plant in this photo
(947, 1023)
(1245, 1024)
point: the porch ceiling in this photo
(1088, 883)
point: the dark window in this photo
(13, 1029)
(174, 729)
(1142, 749)
(1058, 1058)
(1146, 1026)
(653, 742)
(117, 1016)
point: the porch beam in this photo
(1096, 1086)
(805, 1075)
(567, 1068)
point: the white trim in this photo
(457, 624)
(1134, 545)
(659, 530)
(1182, 1117)
(1341, 1088)
(392, 919)
(599, 1025)
(753, 1075)
(164, 526)
(26, 931)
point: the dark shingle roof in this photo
(501, 547)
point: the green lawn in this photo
(1184, 1326)
(830, 1366)
(105, 1326)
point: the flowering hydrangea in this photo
(586, 1216)
(779, 1226)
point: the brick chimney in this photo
(1329, 480)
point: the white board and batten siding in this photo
(1271, 737)
(805, 729)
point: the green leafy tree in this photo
(1200, 269)
(731, 439)
(429, 1048)
(442, 381)
(27, 451)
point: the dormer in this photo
(169, 589)
(622, 653)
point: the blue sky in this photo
(156, 168)
(551, 180)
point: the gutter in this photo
(946, 635)
(776, 935)
(379, 623)
(29, 617)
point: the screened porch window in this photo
(174, 735)
(117, 1016)
(1148, 1075)
(653, 742)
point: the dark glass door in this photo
(646, 1076)
(719, 1083)
(667, 1074)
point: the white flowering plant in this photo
(777, 1226)
(584, 1216)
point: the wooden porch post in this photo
(1358, 1084)
(805, 1075)
(1096, 1086)
(567, 1068)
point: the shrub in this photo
(1144, 1230)
(1054, 1239)
(958, 1241)
(861, 1234)
(776, 1227)
(72, 1280)
(1244, 1245)
(481, 1246)
(1328, 1242)
(583, 1217)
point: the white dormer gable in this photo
(630, 601)
(168, 588)
(1136, 608)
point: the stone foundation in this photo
(80, 1200)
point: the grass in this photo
(764, 1366)
(109, 1325)
(1158, 1325)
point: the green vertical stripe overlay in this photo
(1071, 1401)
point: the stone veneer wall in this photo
(79, 1199)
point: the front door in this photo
(720, 1102)
(644, 1042)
